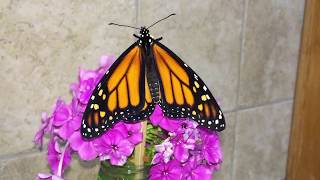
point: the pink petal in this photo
(87, 74)
(74, 88)
(57, 178)
(156, 171)
(211, 149)
(44, 175)
(157, 116)
(61, 115)
(76, 141)
(66, 158)
(65, 131)
(169, 124)
(118, 161)
(114, 136)
(202, 172)
(136, 127)
(87, 151)
(53, 155)
(38, 138)
(106, 61)
(75, 123)
(102, 147)
(136, 138)
(120, 126)
(125, 147)
(181, 153)
(157, 158)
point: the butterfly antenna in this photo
(115, 24)
(161, 20)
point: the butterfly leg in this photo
(159, 39)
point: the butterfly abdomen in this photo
(154, 90)
(152, 78)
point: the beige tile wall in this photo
(245, 50)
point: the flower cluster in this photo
(184, 151)
(188, 153)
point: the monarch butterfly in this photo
(145, 75)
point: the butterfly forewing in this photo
(121, 94)
(183, 93)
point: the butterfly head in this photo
(144, 32)
(145, 39)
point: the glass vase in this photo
(127, 172)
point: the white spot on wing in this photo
(195, 76)
(208, 97)
(205, 88)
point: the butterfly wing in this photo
(183, 93)
(121, 94)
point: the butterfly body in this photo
(145, 75)
(145, 41)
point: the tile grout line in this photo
(280, 101)
(242, 41)
(244, 108)
(21, 154)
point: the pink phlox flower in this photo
(66, 118)
(211, 149)
(166, 171)
(60, 113)
(85, 148)
(157, 118)
(88, 79)
(45, 127)
(185, 140)
(132, 132)
(164, 152)
(187, 128)
(59, 159)
(105, 63)
(114, 146)
(193, 169)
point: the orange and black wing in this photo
(121, 94)
(183, 93)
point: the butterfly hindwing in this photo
(183, 93)
(121, 94)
